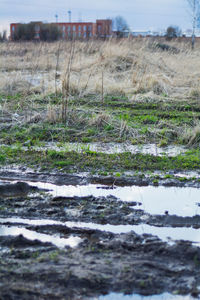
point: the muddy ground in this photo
(96, 262)
(76, 236)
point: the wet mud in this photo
(175, 178)
(86, 246)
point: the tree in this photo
(49, 32)
(25, 32)
(195, 16)
(34, 31)
(173, 32)
(120, 26)
(3, 36)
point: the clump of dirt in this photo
(16, 189)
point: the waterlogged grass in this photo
(118, 119)
(99, 162)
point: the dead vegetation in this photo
(191, 135)
(128, 66)
(72, 76)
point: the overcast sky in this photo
(140, 14)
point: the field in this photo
(100, 169)
(112, 90)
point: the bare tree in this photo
(3, 36)
(195, 15)
(120, 26)
(173, 32)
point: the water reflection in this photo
(154, 200)
(165, 296)
(72, 241)
(110, 148)
(164, 233)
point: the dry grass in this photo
(129, 67)
(191, 135)
(100, 119)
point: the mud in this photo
(84, 247)
(177, 179)
(16, 189)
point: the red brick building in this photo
(77, 30)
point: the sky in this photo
(139, 14)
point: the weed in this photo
(103, 173)
(196, 260)
(168, 176)
(54, 256)
(195, 93)
(63, 163)
(155, 182)
(142, 283)
(35, 254)
(2, 158)
(118, 174)
(163, 143)
(182, 178)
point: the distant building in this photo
(146, 33)
(123, 34)
(188, 32)
(141, 32)
(77, 30)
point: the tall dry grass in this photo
(131, 67)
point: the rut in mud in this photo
(65, 241)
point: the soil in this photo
(103, 261)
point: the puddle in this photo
(41, 78)
(180, 201)
(155, 200)
(72, 241)
(164, 233)
(165, 296)
(110, 148)
(187, 174)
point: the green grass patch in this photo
(99, 162)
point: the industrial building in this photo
(71, 30)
